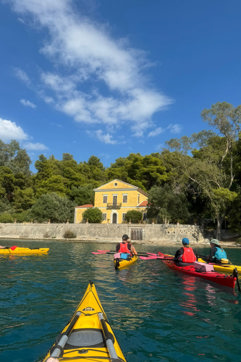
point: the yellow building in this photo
(114, 199)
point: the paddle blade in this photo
(150, 257)
(102, 252)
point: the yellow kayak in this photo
(88, 336)
(124, 263)
(223, 268)
(23, 251)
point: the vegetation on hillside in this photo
(196, 179)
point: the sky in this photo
(113, 77)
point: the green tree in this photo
(53, 184)
(23, 199)
(82, 195)
(6, 183)
(211, 167)
(93, 171)
(93, 215)
(54, 208)
(12, 156)
(142, 171)
(167, 206)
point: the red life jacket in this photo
(124, 248)
(188, 255)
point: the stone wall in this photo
(155, 233)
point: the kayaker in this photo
(8, 247)
(123, 246)
(131, 247)
(185, 255)
(216, 252)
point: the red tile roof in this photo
(84, 206)
(143, 203)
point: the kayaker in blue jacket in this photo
(185, 255)
(216, 252)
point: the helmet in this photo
(185, 241)
(125, 237)
(215, 241)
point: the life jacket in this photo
(124, 248)
(188, 255)
(220, 254)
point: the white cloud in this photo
(174, 128)
(10, 131)
(20, 74)
(35, 146)
(105, 138)
(27, 103)
(155, 132)
(90, 60)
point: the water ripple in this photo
(156, 313)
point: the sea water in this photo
(156, 313)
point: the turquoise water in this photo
(156, 313)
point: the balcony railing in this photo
(113, 206)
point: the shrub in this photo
(52, 207)
(69, 234)
(93, 215)
(23, 216)
(6, 217)
(133, 216)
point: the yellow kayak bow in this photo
(88, 336)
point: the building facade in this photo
(115, 199)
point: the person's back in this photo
(123, 247)
(185, 255)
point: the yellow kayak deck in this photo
(88, 336)
(122, 263)
(23, 251)
(224, 268)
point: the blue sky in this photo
(114, 77)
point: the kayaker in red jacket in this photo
(185, 255)
(123, 247)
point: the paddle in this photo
(153, 256)
(103, 252)
(235, 274)
(108, 339)
(58, 348)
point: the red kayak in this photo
(212, 276)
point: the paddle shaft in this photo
(103, 252)
(107, 337)
(62, 342)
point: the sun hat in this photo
(185, 241)
(215, 241)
